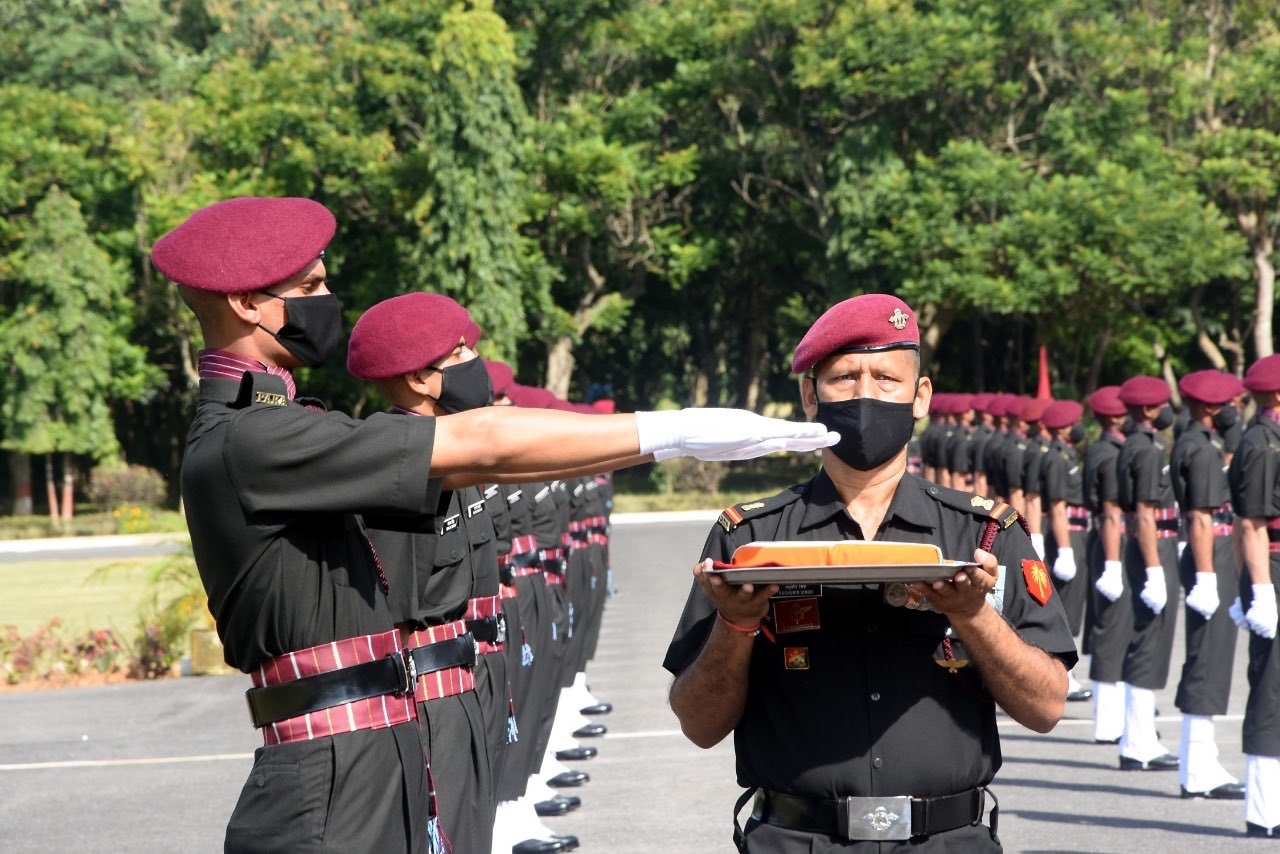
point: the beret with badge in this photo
(245, 244)
(861, 324)
(403, 334)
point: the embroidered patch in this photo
(795, 657)
(796, 615)
(1037, 580)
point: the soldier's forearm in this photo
(1058, 521)
(1146, 535)
(1112, 531)
(710, 695)
(1200, 539)
(1255, 547)
(1028, 683)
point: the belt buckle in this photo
(501, 629)
(408, 671)
(868, 818)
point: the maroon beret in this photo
(472, 333)
(530, 397)
(938, 403)
(1061, 413)
(604, 406)
(859, 324)
(961, 403)
(999, 404)
(403, 334)
(558, 402)
(982, 402)
(500, 375)
(1013, 405)
(1144, 391)
(1106, 401)
(1033, 409)
(1264, 374)
(1210, 386)
(245, 244)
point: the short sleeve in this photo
(1044, 626)
(1146, 474)
(698, 615)
(295, 461)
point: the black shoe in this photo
(1079, 696)
(551, 807)
(566, 779)
(590, 731)
(1251, 829)
(572, 800)
(597, 709)
(1225, 792)
(1115, 740)
(576, 754)
(569, 841)
(537, 846)
(1164, 762)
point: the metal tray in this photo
(840, 574)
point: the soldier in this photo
(1012, 452)
(854, 719)
(983, 430)
(1255, 496)
(1110, 611)
(960, 445)
(1150, 569)
(933, 439)
(993, 452)
(1200, 487)
(272, 489)
(1033, 455)
(1062, 494)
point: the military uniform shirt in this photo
(270, 493)
(851, 699)
(1143, 473)
(1033, 458)
(1195, 469)
(1061, 478)
(960, 451)
(1014, 448)
(930, 441)
(1254, 476)
(1101, 473)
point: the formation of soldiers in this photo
(1154, 502)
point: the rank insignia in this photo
(1037, 580)
(796, 615)
(730, 518)
(984, 503)
(795, 657)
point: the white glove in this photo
(1037, 543)
(1262, 613)
(725, 434)
(1064, 565)
(1203, 596)
(1182, 547)
(1111, 583)
(1236, 612)
(1154, 593)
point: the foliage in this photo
(138, 487)
(686, 474)
(49, 654)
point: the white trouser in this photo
(1108, 710)
(1139, 740)
(1198, 767)
(1262, 796)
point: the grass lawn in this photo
(79, 592)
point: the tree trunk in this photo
(1095, 365)
(68, 487)
(1264, 274)
(560, 363)
(934, 323)
(50, 488)
(20, 474)
(1203, 341)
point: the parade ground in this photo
(157, 767)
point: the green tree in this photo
(69, 338)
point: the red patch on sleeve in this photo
(1037, 577)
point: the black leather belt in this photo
(1166, 524)
(489, 629)
(394, 674)
(871, 818)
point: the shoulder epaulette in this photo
(258, 389)
(734, 516)
(986, 508)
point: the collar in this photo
(909, 502)
(216, 364)
(400, 410)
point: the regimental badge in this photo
(270, 398)
(796, 615)
(754, 505)
(795, 657)
(984, 503)
(951, 655)
(898, 319)
(1037, 580)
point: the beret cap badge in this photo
(898, 319)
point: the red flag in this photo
(1044, 392)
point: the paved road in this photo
(156, 767)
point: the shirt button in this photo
(877, 763)
(875, 696)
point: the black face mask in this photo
(1226, 418)
(1165, 419)
(464, 386)
(871, 431)
(312, 327)
(1076, 436)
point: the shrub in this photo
(686, 474)
(47, 654)
(112, 486)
